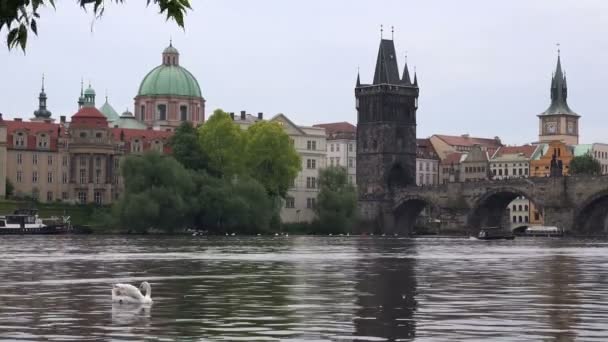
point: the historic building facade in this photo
(76, 161)
(169, 95)
(342, 147)
(559, 122)
(427, 163)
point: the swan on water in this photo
(127, 293)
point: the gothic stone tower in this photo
(386, 137)
(558, 122)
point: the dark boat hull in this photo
(511, 237)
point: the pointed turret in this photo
(406, 74)
(559, 92)
(81, 98)
(415, 79)
(386, 64)
(358, 80)
(42, 112)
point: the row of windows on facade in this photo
(161, 112)
(290, 202)
(83, 160)
(97, 179)
(335, 161)
(336, 147)
(42, 140)
(521, 219)
(427, 166)
(600, 155)
(520, 207)
(506, 165)
(425, 179)
(515, 172)
(471, 169)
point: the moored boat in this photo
(26, 221)
(543, 231)
(494, 233)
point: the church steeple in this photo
(42, 112)
(406, 74)
(81, 98)
(559, 92)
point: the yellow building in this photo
(540, 165)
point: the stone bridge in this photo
(578, 204)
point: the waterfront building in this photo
(427, 163)
(447, 145)
(76, 161)
(559, 122)
(342, 147)
(310, 144)
(169, 95)
(475, 166)
(514, 162)
(540, 163)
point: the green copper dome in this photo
(169, 80)
(89, 91)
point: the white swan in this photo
(127, 293)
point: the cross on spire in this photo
(381, 31)
(392, 32)
(558, 50)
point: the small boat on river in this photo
(26, 221)
(494, 233)
(548, 231)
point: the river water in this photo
(304, 288)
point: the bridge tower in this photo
(386, 137)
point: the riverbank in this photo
(81, 215)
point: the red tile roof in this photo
(526, 150)
(466, 140)
(338, 127)
(31, 129)
(88, 112)
(424, 149)
(452, 158)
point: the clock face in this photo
(551, 127)
(571, 127)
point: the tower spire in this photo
(358, 78)
(406, 73)
(415, 78)
(42, 112)
(42, 88)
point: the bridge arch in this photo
(591, 216)
(491, 208)
(409, 209)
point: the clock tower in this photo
(558, 122)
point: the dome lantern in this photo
(170, 55)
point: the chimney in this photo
(18, 119)
(62, 119)
(243, 115)
(232, 115)
(260, 116)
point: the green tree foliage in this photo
(187, 149)
(224, 143)
(21, 16)
(9, 188)
(222, 205)
(336, 202)
(271, 158)
(585, 165)
(157, 191)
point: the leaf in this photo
(10, 38)
(34, 27)
(22, 36)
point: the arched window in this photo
(526, 208)
(520, 219)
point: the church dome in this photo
(169, 78)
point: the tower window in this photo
(142, 112)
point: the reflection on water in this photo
(304, 288)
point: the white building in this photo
(310, 143)
(342, 147)
(514, 162)
(427, 163)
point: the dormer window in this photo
(42, 141)
(136, 146)
(20, 139)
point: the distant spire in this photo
(381, 31)
(81, 86)
(42, 83)
(559, 91)
(106, 94)
(415, 78)
(170, 41)
(392, 33)
(406, 74)
(42, 112)
(358, 78)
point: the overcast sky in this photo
(484, 67)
